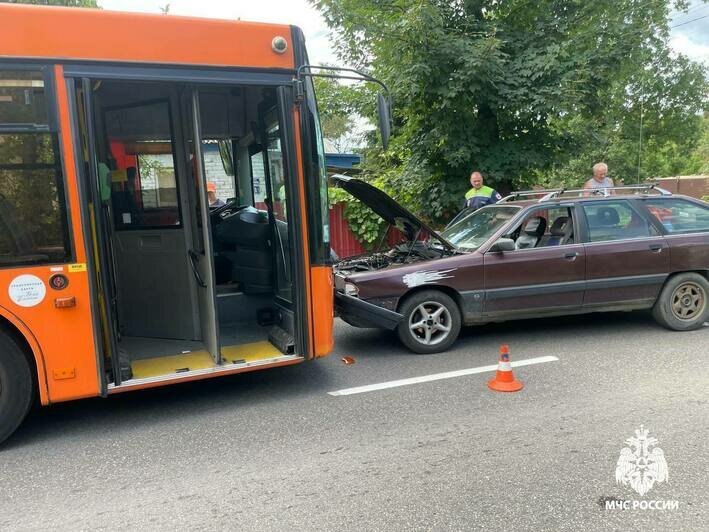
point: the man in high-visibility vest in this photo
(480, 195)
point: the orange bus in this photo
(163, 203)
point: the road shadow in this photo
(276, 386)
(587, 324)
(374, 342)
(365, 343)
(168, 403)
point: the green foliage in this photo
(337, 104)
(150, 166)
(67, 3)
(526, 92)
(367, 227)
(701, 155)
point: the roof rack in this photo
(548, 194)
(522, 193)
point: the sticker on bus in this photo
(78, 267)
(27, 290)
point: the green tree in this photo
(524, 91)
(337, 104)
(700, 158)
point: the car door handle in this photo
(571, 255)
(656, 248)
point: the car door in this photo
(685, 223)
(548, 277)
(627, 260)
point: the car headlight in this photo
(351, 289)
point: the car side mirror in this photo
(503, 244)
(384, 112)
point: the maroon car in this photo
(533, 254)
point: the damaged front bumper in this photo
(362, 314)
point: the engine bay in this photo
(403, 253)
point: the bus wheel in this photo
(431, 322)
(15, 386)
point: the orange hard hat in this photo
(211, 187)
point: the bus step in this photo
(282, 340)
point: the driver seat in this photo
(531, 233)
(252, 261)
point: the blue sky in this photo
(691, 38)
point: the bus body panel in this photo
(67, 361)
(57, 32)
(65, 340)
(323, 309)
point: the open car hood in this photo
(382, 204)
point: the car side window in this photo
(545, 227)
(680, 216)
(615, 220)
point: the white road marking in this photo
(438, 376)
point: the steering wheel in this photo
(220, 213)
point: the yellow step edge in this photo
(153, 367)
(250, 352)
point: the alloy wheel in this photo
(688, 301)
(430, 323)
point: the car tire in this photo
(683, 304)
(439, 319)
(16, 386)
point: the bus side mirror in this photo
(503, 244)
(384, 113)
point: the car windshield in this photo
(470, 232)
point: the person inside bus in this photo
(214, 201)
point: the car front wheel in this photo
(683, 303)
(431, 322)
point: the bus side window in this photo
(33, 225)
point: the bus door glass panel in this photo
(277, 192)
(149, 241)
(219, 127)
(142, 180)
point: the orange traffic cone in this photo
(504, 381)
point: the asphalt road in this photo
(272, 450)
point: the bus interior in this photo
(190, 224)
